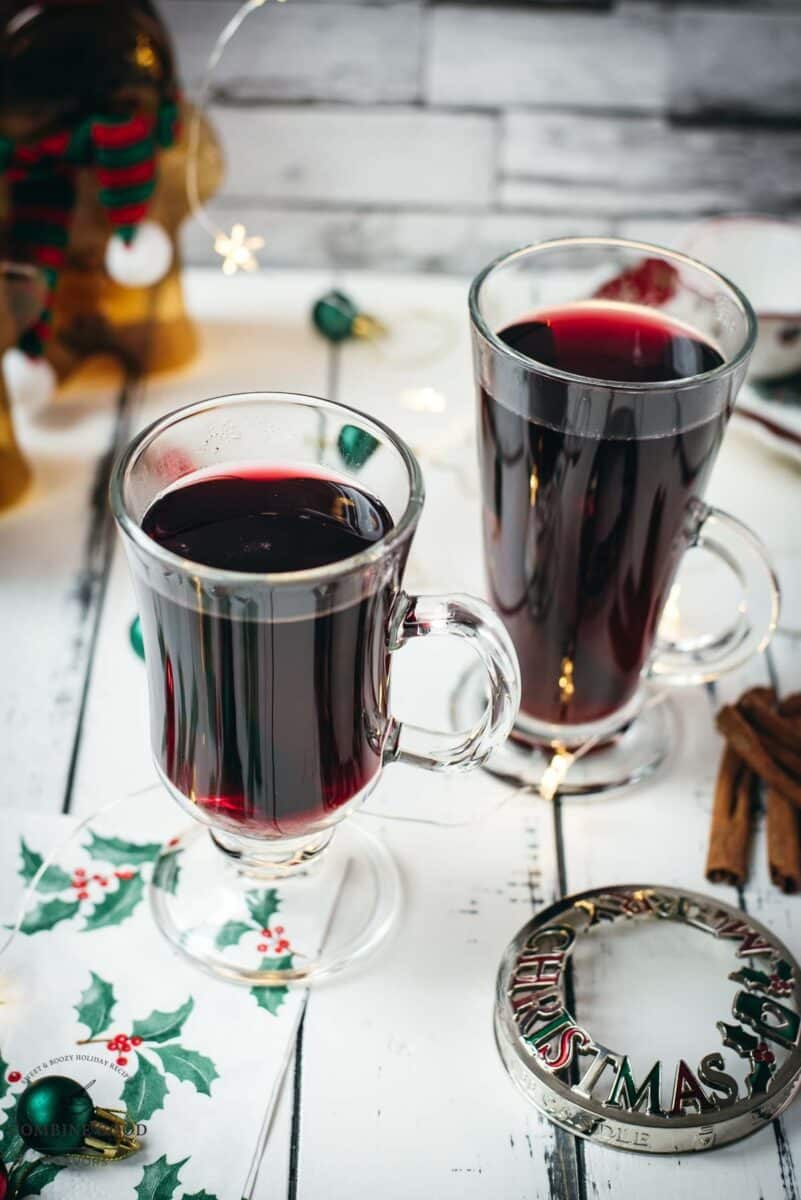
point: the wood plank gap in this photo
(98, 554)
(297, 1089)
(332, 387)
(566, 1166)
(787, 1172)
(773, 670)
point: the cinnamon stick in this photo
(784, 842)
(746, 741)
(730, 832)
(763, 695)
(779, 729)
(788, 759)
(790, 706)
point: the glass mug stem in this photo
(703, 659)
(472, 619)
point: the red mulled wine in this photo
(583, 534)
(271, 724)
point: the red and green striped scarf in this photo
(41, 178)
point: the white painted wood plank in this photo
(635, 165)
(401, 1058)
(392, 156)
(403, 1091)
(300, 51)
(53, 550)
(498, 56)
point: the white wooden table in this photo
(397, 1089)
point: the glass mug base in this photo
(273, 931)
(628, 748)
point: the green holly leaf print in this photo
(30, 861)
(231, 932)
(95, 1005)
(116, 906)
(167, 872)
(144, 1093)
(48, 914)
(36, 1180)
(161, 1026)
(188, 1066)
(262, 906)
(160, 1179)
(271, 998)
(11, 1144)
(53, 880)
(119, 853)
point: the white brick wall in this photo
(432, 134)
(509, 56)
(387, 156)
(746, 59)
(623, 165)
(356, 54)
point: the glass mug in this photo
(592, 492)
(269, 693)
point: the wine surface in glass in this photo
(583, 535)
(268, 725)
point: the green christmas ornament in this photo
(53, 1115)
(56, 1116)
(355, 445)
(337, 318)
(135, 635)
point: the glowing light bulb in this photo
(554, 774)
(236, 250)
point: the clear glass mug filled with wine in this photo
(267, 536)
(606, 372)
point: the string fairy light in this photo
(237, 247)
(424, 335)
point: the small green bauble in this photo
(355, 445)
(135, 634)
(53, 1114)
(333, 315)
(337, 318)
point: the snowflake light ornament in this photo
(236, 250)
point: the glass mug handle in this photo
(464, 617)
(703, 659)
